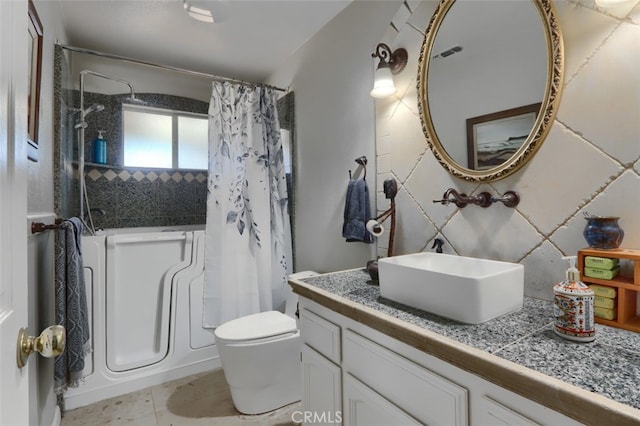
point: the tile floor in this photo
(202, 399)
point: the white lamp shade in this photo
(383, 85)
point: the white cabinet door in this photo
(431, 397)
(320, 334)
(364, 407)
(321, 389)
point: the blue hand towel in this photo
(357, 212)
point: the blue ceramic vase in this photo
(603, 232)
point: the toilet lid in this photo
(256, 326)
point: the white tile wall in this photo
(590, 160)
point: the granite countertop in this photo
(609, 366)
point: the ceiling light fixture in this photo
(209, 11)
(391, 63)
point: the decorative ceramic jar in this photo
(603, 232)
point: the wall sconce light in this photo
(391, 63)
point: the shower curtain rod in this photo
(167, 67)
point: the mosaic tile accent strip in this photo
(95, 173)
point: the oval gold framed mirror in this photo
(490, 77)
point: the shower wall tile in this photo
(407, 142)
(140, 198)
(617, 199)
(587, 101)
(579, 43)
(103, 196)
(401, 17)
(129, 197)
(437, 180)
(561, 157)
(410, 39)
(413, 230)
(410, 97)
(500, 233)
(543, 269)
(421, 15)
(634, 16)
(590, 160)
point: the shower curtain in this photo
(248, 239)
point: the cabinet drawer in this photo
(421, 393)
(320, 334)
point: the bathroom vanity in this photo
(367, 361)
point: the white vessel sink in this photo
(460, 288)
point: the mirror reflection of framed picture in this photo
(34, 76)
(493, 138)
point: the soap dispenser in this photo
(573, 307)
(100, 149)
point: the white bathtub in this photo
(144, 288)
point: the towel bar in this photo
(41, 227)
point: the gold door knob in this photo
(50, 343)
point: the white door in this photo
(14, 382)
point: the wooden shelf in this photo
(627, 288)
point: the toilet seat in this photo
(258, 326)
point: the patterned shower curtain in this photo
(248, 240)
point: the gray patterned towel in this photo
(71, 305)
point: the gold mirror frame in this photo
(548, 109)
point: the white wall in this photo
(590, 160)
(331, 76)
(143, 78)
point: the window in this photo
(160, 138)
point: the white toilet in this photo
(260, 356)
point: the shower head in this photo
(94, 108)
(133, 100)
